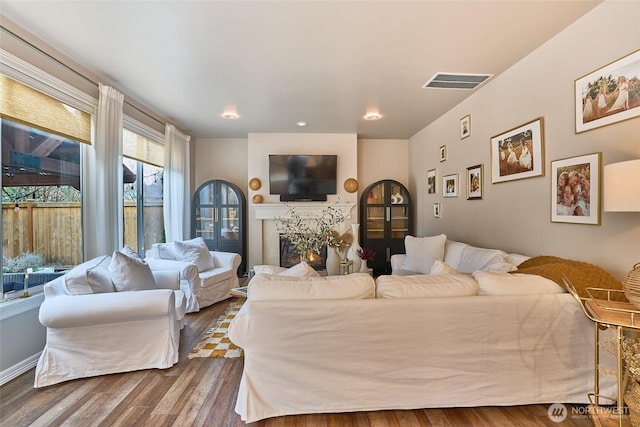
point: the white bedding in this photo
(323, 356)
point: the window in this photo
(143, 175)
(44, 132)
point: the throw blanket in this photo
(582, 275)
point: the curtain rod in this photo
(31, 45)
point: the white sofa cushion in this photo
(128, 251)
(422, 252)
(515, 284)
(90, 277)
(474, 259)
(214, 276)
(195, 251)
(264, 287)
(426, 286)
(130, 274)
(268, 269)
(163, 251)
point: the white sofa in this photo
(202, 286)
(347, 343)
(93, 329)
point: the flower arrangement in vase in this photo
(365, 255)
(308, 234)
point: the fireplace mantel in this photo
(272, 211)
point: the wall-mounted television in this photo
(303, 177)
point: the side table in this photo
(606, 313)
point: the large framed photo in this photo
(518, 153)
(465, 126)
(475, 176)
(575, 189)
(606, 96)
(431, 182)
(450, 185)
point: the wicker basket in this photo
(631, 285)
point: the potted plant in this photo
(308, 234)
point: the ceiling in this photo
(278, 62)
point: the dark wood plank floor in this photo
(202, 392)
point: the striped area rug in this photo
(216, 342)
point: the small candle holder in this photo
(346, 266)
(25, 292)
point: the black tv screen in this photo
(303, 174)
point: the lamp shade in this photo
(622, 186)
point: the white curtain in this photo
(102, 195)
(177, 206)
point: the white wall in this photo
(382, 159)
(515, 215)
(263, 144)
(221, 158)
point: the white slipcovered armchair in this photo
(206, 277)
(95, 327)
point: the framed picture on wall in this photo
(436, 210)
(443, 153)
(606, 96)
(450, 185)
(475, 175)
(465, 126)
(431, 181)
(518, 153)
(575, 189)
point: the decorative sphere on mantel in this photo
(257, 199)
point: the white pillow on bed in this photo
(492, 283)
(423, 252)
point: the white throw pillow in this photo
(515, 284)
(195, 251)
(473, 258)
(90, 277)
(266, 287)
(441, 267)
(301, 269)
(422, 252)
(453, 252)
(128, 251)
(130, 274)
(165, 250)
(516, 259)
(426, 286)
(268, 269)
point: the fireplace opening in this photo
(289, 257)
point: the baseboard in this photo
(19, 369)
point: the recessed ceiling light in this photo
(372, 116)
(230, 115)
(301, 123)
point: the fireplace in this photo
(289, 257)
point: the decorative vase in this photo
(333, 261)
(352, 253)
(364, 268)
(632, 399)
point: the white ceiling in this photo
(278, 62)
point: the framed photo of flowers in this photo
(475, 176)
(450, 185)
(431, 182)
(518, 153)
(606, 95)
(575, 189)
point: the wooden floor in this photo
(202, 392)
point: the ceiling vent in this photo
(456, 81)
